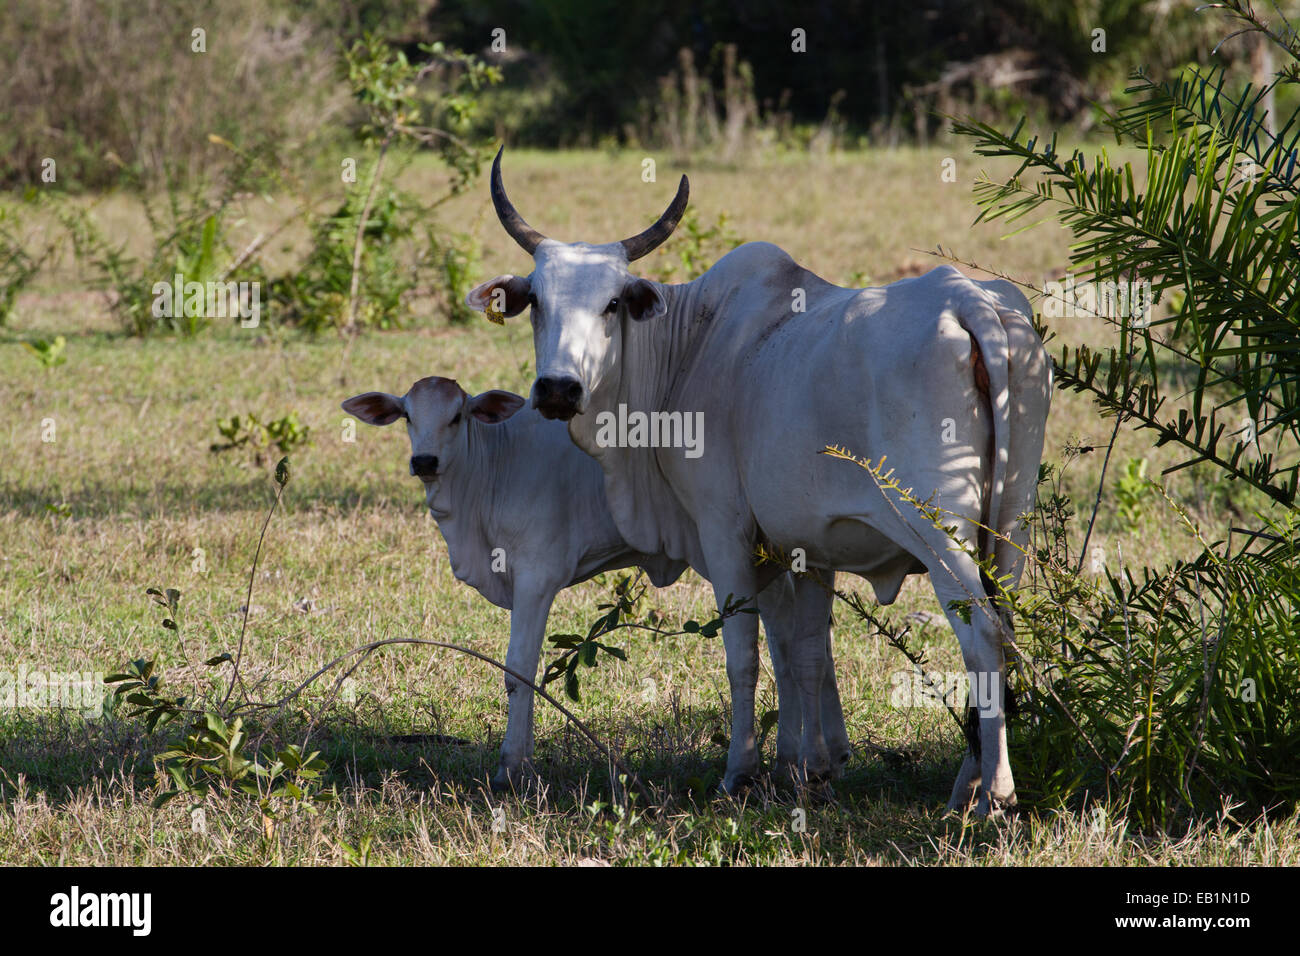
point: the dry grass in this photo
(135, 491)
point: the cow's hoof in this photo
(785, 774)
(839, 762)
(963, 799)
(815, 791)
(994, 808)
(815, 784)
(507, 780)
(967, 786)
(785, 761)
(735, 785)
(814, 766)
(960, 806)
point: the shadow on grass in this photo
(58, 752)
(883, 809)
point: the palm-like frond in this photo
(1199, 226)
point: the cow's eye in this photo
(612, 307)
(532, 300)
(456, 420)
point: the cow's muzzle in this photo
(558, 397)
(424, 467)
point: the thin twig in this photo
(248, 599)
(1101, 487)
(367, 649)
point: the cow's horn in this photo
(522, 233)
(648, 241)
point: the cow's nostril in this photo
(424, 466)
(559, 389)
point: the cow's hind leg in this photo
(834, 731)
(809, 666)
(965, 790)
(988, 780)
(776, 607)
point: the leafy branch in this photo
(1228, 248)
(628, 592)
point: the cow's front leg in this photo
(777, 606)
(732, 575)
(532, 606)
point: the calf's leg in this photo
(532, 607)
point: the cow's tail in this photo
(1012, 370)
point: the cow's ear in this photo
(375, 408)
(495, 406)
(644, 300)
(504, 295)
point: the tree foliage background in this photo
(115, 84)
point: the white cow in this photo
(524, 516)
(942, 374)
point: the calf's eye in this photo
(612, 307)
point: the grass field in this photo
(128, 490)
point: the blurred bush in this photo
(115, 89)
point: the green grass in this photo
(135, 491)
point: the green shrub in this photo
(189, 246)
(318, 295)
(367, 256)
(1169, 691)
(356, 275)
(283, 434)
(49, 352)
(1131, 493)
(456, 259)
(17, 266)
(696, 247)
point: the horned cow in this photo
(941, 374)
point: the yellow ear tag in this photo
(494, 316)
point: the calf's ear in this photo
(504, 295)
(644, 300)
(375, 408)
(495, 406)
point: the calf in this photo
(524, 515)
